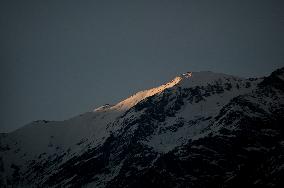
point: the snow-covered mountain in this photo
(201, 129)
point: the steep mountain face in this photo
(201, 129)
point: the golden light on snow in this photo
(134, 99)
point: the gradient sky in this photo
(62, 58)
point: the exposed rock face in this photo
(202, 130)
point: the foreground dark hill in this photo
(201, 129)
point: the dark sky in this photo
(63, 58)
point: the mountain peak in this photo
(185, 80)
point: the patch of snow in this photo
(102, 108)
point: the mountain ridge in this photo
(144, 135)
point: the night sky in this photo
(62, 58)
